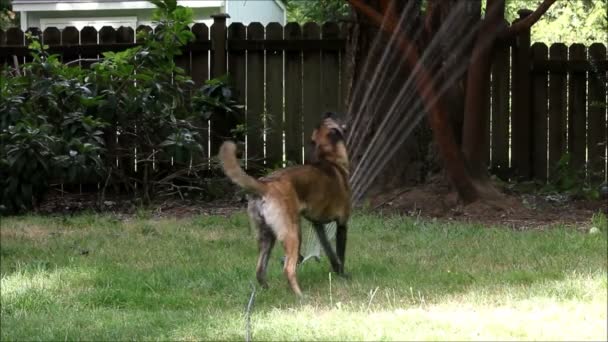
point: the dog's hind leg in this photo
(266, 240)
(291, 244)
(333, 259)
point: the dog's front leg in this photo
(341, 245)
(329, 251)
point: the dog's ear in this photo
(329, 115)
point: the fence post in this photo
(220, 125)
(218, 45)
(521, 132)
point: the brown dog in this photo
(319, 191)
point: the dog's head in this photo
(328, 140)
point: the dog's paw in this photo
(263, 283)
(304, 299)
(344, 275)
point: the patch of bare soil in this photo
(125, 206)
(433, 200)
(518, 211)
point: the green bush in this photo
(60, 123)
(47, 130)
(570, 180)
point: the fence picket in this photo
(577, 110)
(311, 86)
(521, 134)
(293, 97)
(500, 112)
(51, 36)
(200, 74)
(539, 114)
(330, 70)
(88, 36)
(184, 60)
(237, 69)
(557, 108)
(274, 99)
(221, 125)
(487, 109)
(598, 130)
(15, 38)
(2, 44)
(345, 73)
(255, 100)
(200, 58)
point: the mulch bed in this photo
(517, 211)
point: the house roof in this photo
(64, 1)
(54, 5)
(280, 2)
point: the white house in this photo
(116, 13)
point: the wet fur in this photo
(318, 191)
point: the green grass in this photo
(93, 277)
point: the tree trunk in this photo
(450, 61)
(475, 123)
(423, 93)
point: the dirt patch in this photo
(433, 200)
(125, 207)
(518, 211)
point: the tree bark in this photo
(433, 104)
(462, 72)
(478, 79)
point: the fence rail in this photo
(545, 101)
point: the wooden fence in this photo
(557, 105)
(544, 101)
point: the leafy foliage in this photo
(48, 129)
(571, 180)
(316, 10)
(8, 18)
(61, 123)
(156, 107)
(567, 21)
(216, 96)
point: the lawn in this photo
(96, 277)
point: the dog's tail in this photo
(233, 170)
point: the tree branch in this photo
(431, 21)
(444, 136)
(528, 21)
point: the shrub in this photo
(60, 123)
(47, 129)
